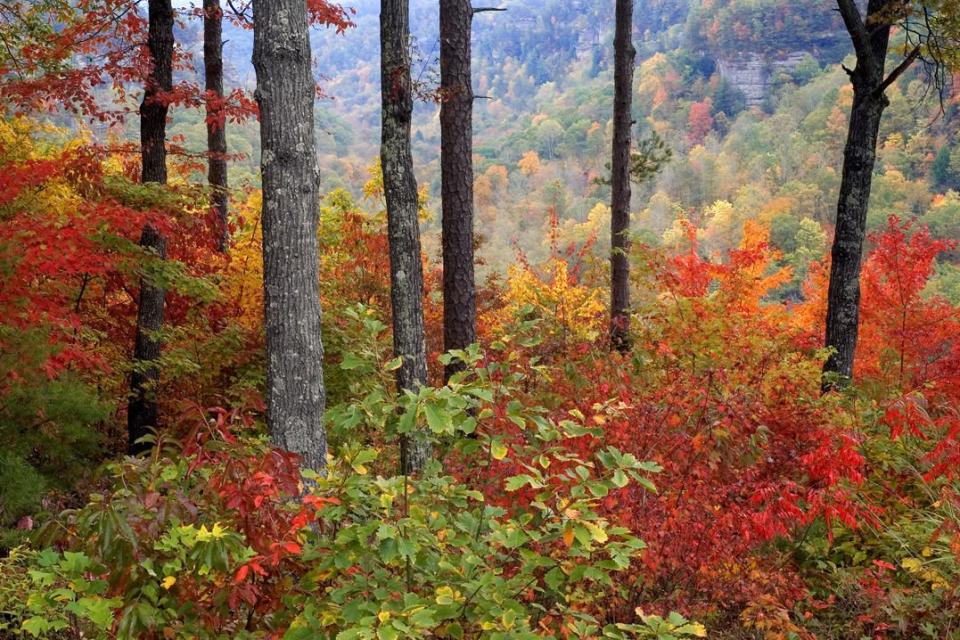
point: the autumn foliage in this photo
(576, 492)
(721, 394)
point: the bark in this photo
(403, 227)
(142, 413)
(624, 58)
(291, 281)
(216, 121)
(859, 157)
(456, 168)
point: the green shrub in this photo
(220, 537)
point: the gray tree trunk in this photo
(142, 413)
(291, 280)
(216, 122)
(400, 189)
(624, 57)
(456, 169)
(859, 158)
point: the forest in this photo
(516, 319)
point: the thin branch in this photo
(240, 14)
(477, 10)
(896, 73)
(83, 289)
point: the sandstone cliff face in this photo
(752, 73)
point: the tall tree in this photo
(456, 170)
(400, 189)
(624, 56)
(291, 279)
(871, 37)
(216, 120)
(142, 411)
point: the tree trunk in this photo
(400, 189)
(291, 280)
(456, 168)
(216, 121)
(624, 57)
(142, 414)
(859, 158)
(843, 298)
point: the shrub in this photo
(219, 536)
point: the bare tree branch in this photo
(240, 14)
(898, 71)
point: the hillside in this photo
(299, 408)
(750, 97)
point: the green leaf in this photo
(646, 484)
(387, 633)
(437, 420)
(386, 531)
(516, 482)
(37, 626)
(99, 611)
(555, 578)
(620, 479)
(498, 450)
(598, 489)
(423, 618)
(74, 563)
(352, 361)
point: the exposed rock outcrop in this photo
(752, 73)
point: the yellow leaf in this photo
(911, 564)
(383, 616)
(168, 582)
(448, 595)
(597, 533)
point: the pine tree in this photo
(456, 168)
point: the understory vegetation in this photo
(574, 493)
